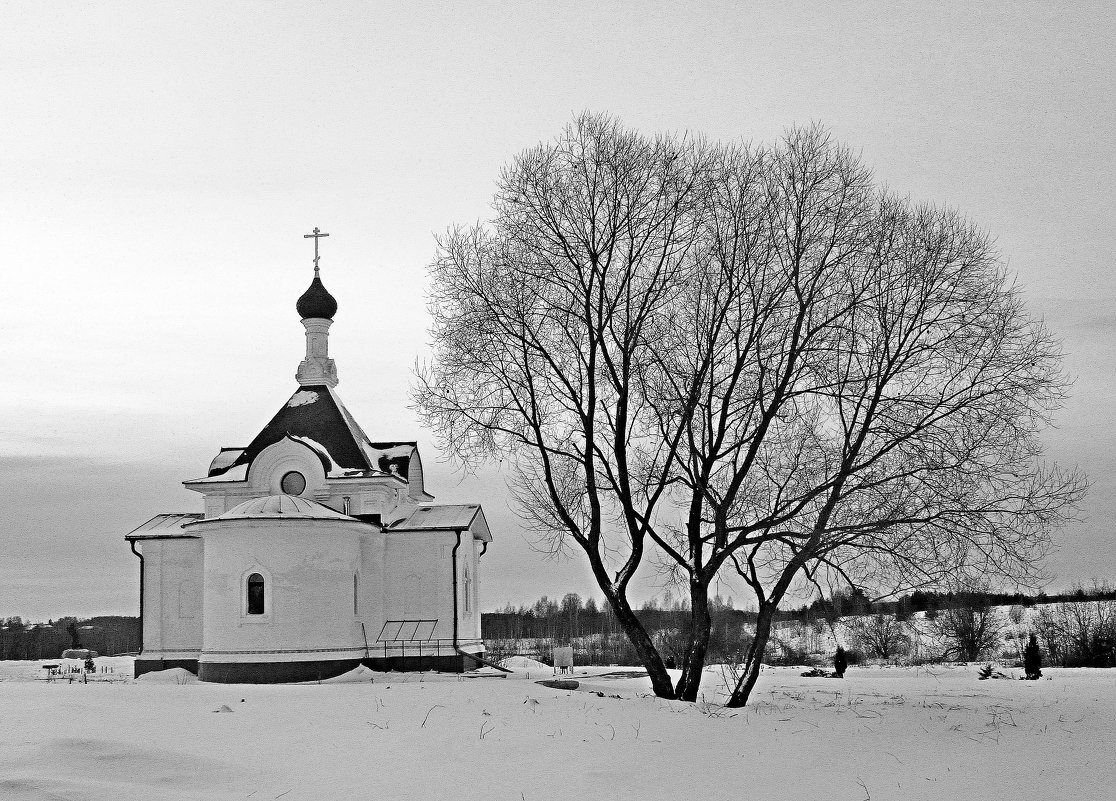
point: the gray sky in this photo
(159, 166)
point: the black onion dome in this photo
(316, 301)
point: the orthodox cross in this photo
(315, 236)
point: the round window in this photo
(293, 483)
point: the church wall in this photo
(419, 583)
(371, 588)
(172, 612)
(418, 579)
(470, 623)
(307, 568)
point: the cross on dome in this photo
(316, 302)
(315, 235)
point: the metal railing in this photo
(415, 648)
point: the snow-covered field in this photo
(881, 733)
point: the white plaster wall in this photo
(308, 567)
(152, 551)
(415, 483)
(371, 607)
(417, 579)
(172, 610)
(470, 625)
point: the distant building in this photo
(318, 550)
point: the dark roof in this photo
(317, 413)
(316, 301)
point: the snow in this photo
(236, 473)
(523, 664)
(169, 676)
(302, 398)
(315, 446)
(395, 452)
(883, 733)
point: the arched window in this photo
(255, 594)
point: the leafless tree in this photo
(743, 360)
(969, 628)
(1079, 634)
(880, 636)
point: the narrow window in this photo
(468, 588)
(355, 590)
(255, 594)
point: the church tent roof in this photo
(315, 414)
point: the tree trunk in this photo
(754, 661)
(698, 643)
(660, 679)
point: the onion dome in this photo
(316, 301)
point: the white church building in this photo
(318, 550)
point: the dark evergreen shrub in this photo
(1032, 659)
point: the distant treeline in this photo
(572, 617)
(856, 602)
(594, 633)
(107, 635)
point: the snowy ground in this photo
(881, 733)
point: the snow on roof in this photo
(447, 517)
(280, 507)
(236, 473)
(389, 457)
(302, 397)
(318, 448)
(224, 459)
(165, 525)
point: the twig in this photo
(436, 706)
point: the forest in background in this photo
(1077, 627)
(107, 635)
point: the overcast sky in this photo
(158, 168)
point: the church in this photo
(318, 549)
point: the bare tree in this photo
(880, 636)
(544, 326)
(1079, 634)
(969, 628)
(743, 360)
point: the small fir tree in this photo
(1032, 659)
(840, 662)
